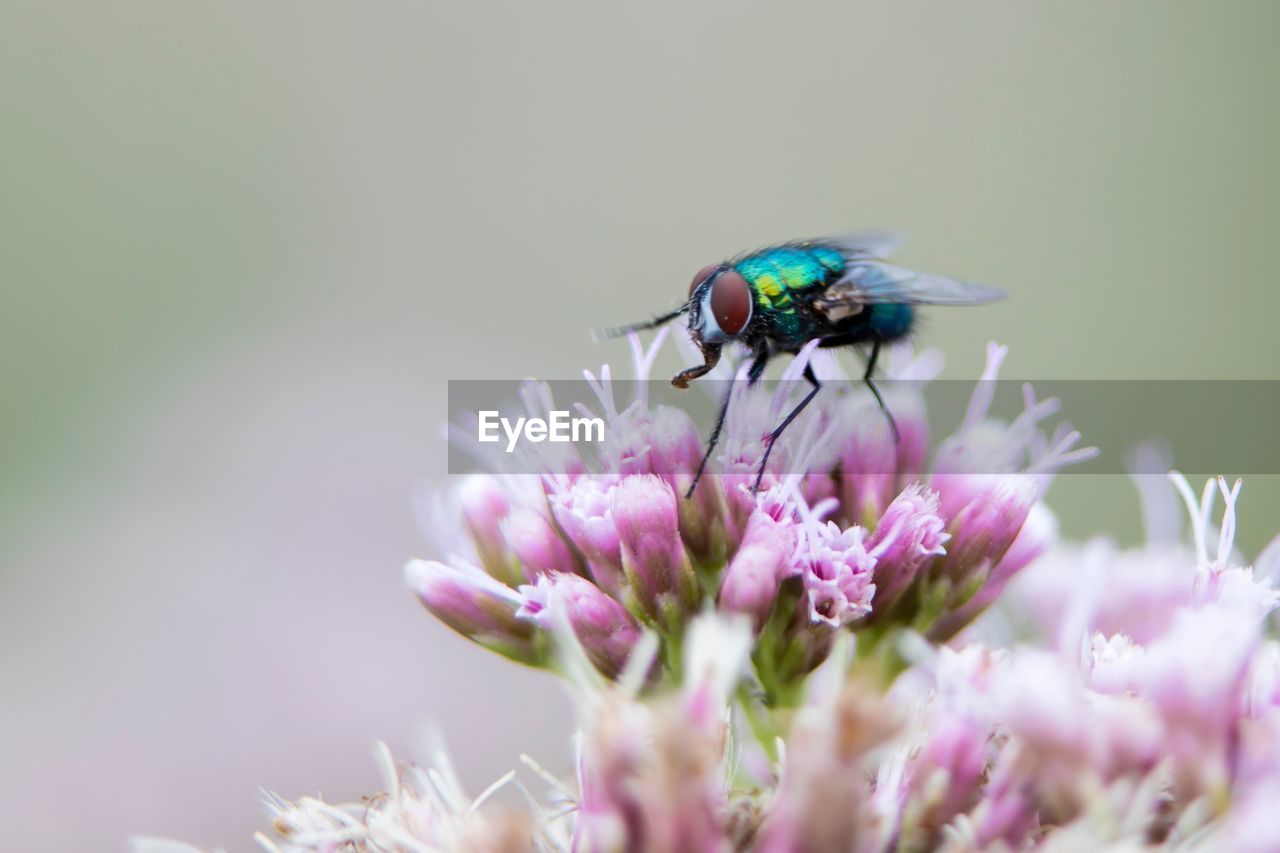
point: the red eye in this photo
(702, 276)
(731, 302)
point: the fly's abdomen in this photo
(890, 321)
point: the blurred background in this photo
(244, 245)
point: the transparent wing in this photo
(865, 244)
(870, 283)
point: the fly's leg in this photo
(875, 392)
(753, 374)
(710, 358)
(711, 442)
(847, 338)
(773, 436)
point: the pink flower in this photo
(659, 575)
(837, 572)
(1037, 534)
(485, 505)
(824, 798)
(763, 560)
(868, 462)
(945, 775)
(985, 528)
(582, 509)
(909, 534)
(1196, 675)
(476, 606)
(607, 632)
(651, 776)
(675, 450)
(538, 545)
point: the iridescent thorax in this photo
(779, 274)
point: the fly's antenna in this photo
(599, 335)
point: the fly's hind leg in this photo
(773, 436)
(875, 392)
(847, 338)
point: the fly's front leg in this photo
(710, 358)
(753, 374)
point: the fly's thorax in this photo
(779, 274)
(780, 278)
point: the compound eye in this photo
(703, 275)
(731, 302)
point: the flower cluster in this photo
(884, 649)
(852, 530)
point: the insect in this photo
(775, 300)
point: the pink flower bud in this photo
(583, 513)
(751, 581)
(1128, 737)
(1112, 660)
(662, 583)
(606, 630)
(957, 490)
(987, 525)
(485, 504)
(675, 451)
(909, 534)
(1038, 533)
(869, 465)
(627, 451)
(675, 447)
(537, 544)
(819, 487)
(982, 534)
(475, 605)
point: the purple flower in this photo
(475, 605)
(837, 573)
(582, 509)
(651, 776)
(1038, 533)
(1196, 676)
(985, 528)
(538, 545)
(868, 463)
(824, 798)
(660, 578)
(908, 535)
(485, 505)
(763, 560)
(607, 632)
(675, 451)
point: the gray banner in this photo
(1207, 426)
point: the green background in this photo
(243, 245)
